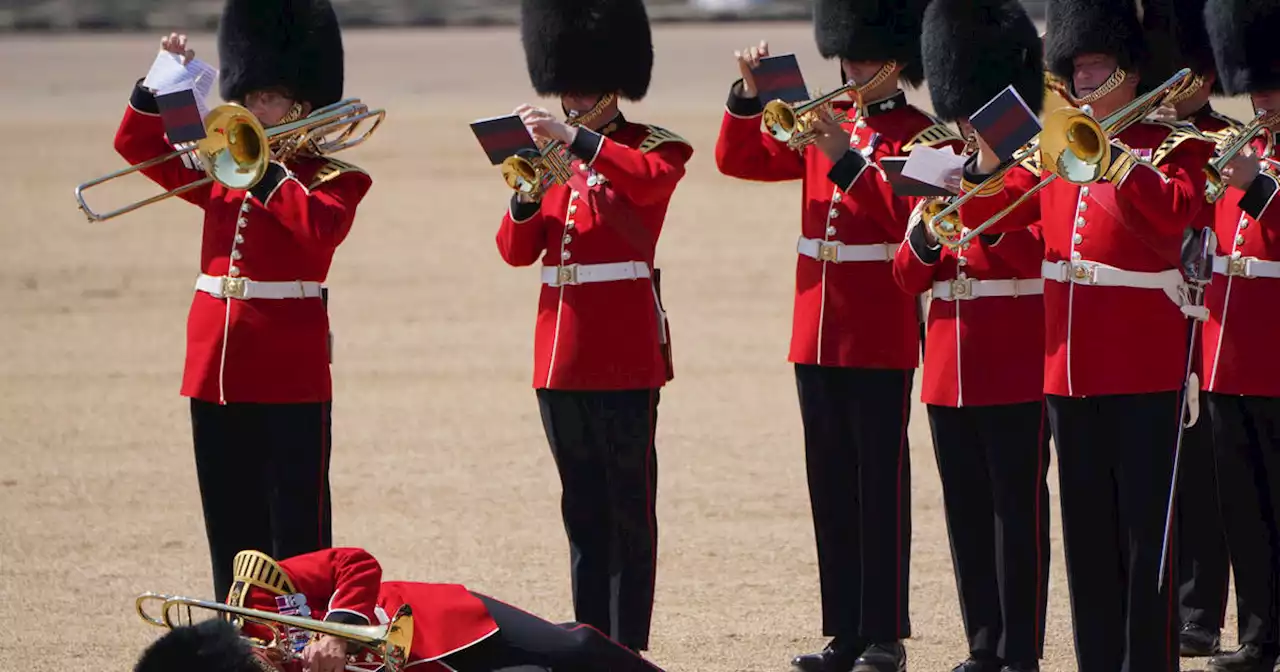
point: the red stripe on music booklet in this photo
(181, 116)
(1006, 123)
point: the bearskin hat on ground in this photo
(210, 646)
(587, 46)
(973, 49)
(295, 44)
(872, 30)
(1242, 34)
(1078, 27)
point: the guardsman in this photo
(257, 366)
(1115, 337)
(601, 348)
(454, 628)
(855, 336)
(1242, 375)
(1179, 40)
(984, 354)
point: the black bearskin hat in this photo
(587, 46)
(209, 646)
(872, 30)
(295, 44)
(1176, 38)
(1243, 33)
(973, 49)
(1078, 27)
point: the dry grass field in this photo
(440, 467)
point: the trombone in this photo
(236, 148)
(1073, 145)
(391, 642)
(1215, 185)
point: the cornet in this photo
(1073, 146)
(533, 172)
(1215, 185)
(793, 124)
(237, 149)
(390, 642)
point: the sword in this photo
(1198, 266)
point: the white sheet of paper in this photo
(167, 74)
(939, 167)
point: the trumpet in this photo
(533, 172)
(1073, 146)
(237, 149)
(794, 124)
(391, 642)
(1215, 185)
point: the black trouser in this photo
(604, 450)
(993, 461)
(526, 642)
(859, 468)
(1115, 462)
(263, 471)
(1247, 441)
(1201, 542)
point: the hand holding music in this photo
(988, 160)
(1164, 113)
(830, 137)
(543, 125)
(325, 654)
(1242, 169)
(748, 61)
(176, 43)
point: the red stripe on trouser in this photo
(902, 444)
(324, 468)
(651, 493)
(1040, 481)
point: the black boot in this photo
(838, 656)
(1197, 641)
(1021, 667)
(979, 664)
(1247, 658)
(882, 657)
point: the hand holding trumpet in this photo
(830, 137)
(1243, 168)
(544, 126)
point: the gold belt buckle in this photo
(1081, 273)
(829, 251)
(961, 288)
(233, 287)
(567, 274)
(1238, 267)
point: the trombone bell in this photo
(1074, 146)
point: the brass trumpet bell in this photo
(532, 173)
(793, 124)
(237, 149)
(392, 642)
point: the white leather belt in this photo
(839, 252)
(577, 274)
(1246, 267)
(223, 287)
(971, 288)
(1102, 275)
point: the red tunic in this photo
(600, 335)
(851, 313)
(984, 350)
(263, 350)
(1104, 340)
(1244, 326)
(345, 585)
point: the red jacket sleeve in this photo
(522, 237)
(1170, 195)
(745, 152)
(644, 178)
(140, 138)
(350, 577)
(863, 181)
(916, 262)
(323, 215)
(996, 197)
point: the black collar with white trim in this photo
(894, 102)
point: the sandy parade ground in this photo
(440, 467)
